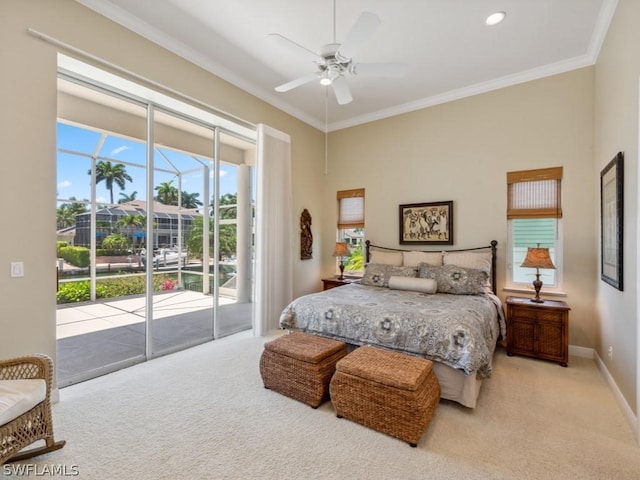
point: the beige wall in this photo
(616, 129)
(461, 151)
(27, 123)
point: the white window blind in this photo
(351, 208)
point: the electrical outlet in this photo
(17, 269)
(610, 352)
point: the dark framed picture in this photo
(611, 221)
(426, 223)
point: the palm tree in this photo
(127, 198)
(132, 224)
(65, 216)
(231, 211)
(66, 213)
(190, 200)
(110, 174)
(167, 193)
(227, 237)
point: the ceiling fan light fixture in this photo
(335, 61)
(495, 18)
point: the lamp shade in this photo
(342, 250)
(537, 257)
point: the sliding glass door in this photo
(235, 219)
(154, 231)
(183, 308)
(100, 287)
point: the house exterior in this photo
(457, 151)
(167, 220)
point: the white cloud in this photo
(64, 184)
(116, 151)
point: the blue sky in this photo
(73, 179)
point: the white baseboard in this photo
(627, 411)
(581, 351)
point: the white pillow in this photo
(424, 285)
(386, 258)
(413, 259)
(477, 260)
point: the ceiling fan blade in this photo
(302, 52)
(285, 87)
(392, 70)
(341, 90)
(362, 30)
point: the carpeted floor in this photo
(204, 414)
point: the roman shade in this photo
(534, 193)
(351, 208)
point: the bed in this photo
(437, 305)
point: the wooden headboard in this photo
(493, 247)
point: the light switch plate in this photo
(17, 269)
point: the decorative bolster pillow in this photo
(378, 275)
(424, 285)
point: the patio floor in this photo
(94, 335)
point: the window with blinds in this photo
(534, 193)
(534, 213)
(351, 208)
(351, 227)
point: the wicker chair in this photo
(34, 424)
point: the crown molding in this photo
(605, 16)
(130, 22)
(479, 88)
(603, 22)
(143, 29)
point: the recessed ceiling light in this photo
(495, 18)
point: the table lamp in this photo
(537, 258)
(342, 250)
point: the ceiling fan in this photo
(335, 60)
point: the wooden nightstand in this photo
(333, 282)
(539, 330)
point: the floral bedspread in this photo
(458, 330)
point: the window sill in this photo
(352, 274)
(530, 291)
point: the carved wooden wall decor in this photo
(306, 238)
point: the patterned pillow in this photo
(477, 260)
(454, 279)
(378, 275)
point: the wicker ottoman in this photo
(387, 391)
(300, 366)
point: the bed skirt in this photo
(456, 386)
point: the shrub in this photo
(105, 252)
(59, 245)
(73, 292)
(116, 242)
(78, 256)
